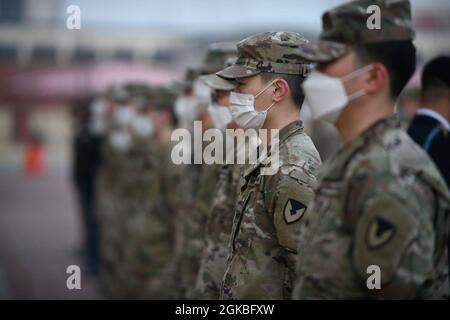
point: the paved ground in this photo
(39, 237)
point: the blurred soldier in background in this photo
(324, 135)
(218, 117)
(430, 126)
(146, 225)
(109, 190)
(136, 222)
(87, 144)
(187, 109)
(186, 106)
(224, 184)
(379, 219)
(164, 284)
(407, 105)
(262, 246)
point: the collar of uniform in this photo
(334, 166)
(283, 134)
(380, 127)
(290, 129)
(436, 116)
(375, 131)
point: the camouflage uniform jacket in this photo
(380, 202)
(262, 246)
(217, 234)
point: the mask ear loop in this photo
(267, 110)
(265, 88)
(356, 73)
(353, 75)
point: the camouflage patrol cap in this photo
(217, 83)
(190, 75)
(163, 98)
(141, 102)
(136, 89)
(275, 52)
(348, 24)
(118, 93)
(216, 56)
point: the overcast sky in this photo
(203, 16)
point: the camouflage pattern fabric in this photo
(275, 52)
(347, 25)
(109, 220)
(148, 230)
(217, 234)
(380, 201)
(262, 248)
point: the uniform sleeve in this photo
(288, 194)
(393, 235)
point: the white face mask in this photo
(186, 109)
(120, 140)
(123, 115)
(97, 123)
(242, 108)
(202, 92)
(326, 95)
(220, 115)
(142, 126)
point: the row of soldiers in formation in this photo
(311, 230)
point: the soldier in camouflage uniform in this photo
(108, 189)
(223, 181)
(148, 232)
(164, 285)
(262, 245)
(380, 202)
(137, 227)
(193, 228)
(185, 186)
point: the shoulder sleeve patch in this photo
(379, 233)
(293, 210)
(290, 206)
(384, 231)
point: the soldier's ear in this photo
(377, 79)
(281, 90)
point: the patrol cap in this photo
(274, 52)
(118, 93)
(216, 56)
(217, 83)
(348, 25)
(163, 98)
(190, 75)
(137, 89)
(142, 102)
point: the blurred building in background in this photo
(47, 70)
(37, 48)
(34, 32)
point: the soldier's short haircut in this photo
(436, 78)
(399, 58)
(294, 81)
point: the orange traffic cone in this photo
(34, 158)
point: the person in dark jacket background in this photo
(430, 126)
(86, 161)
